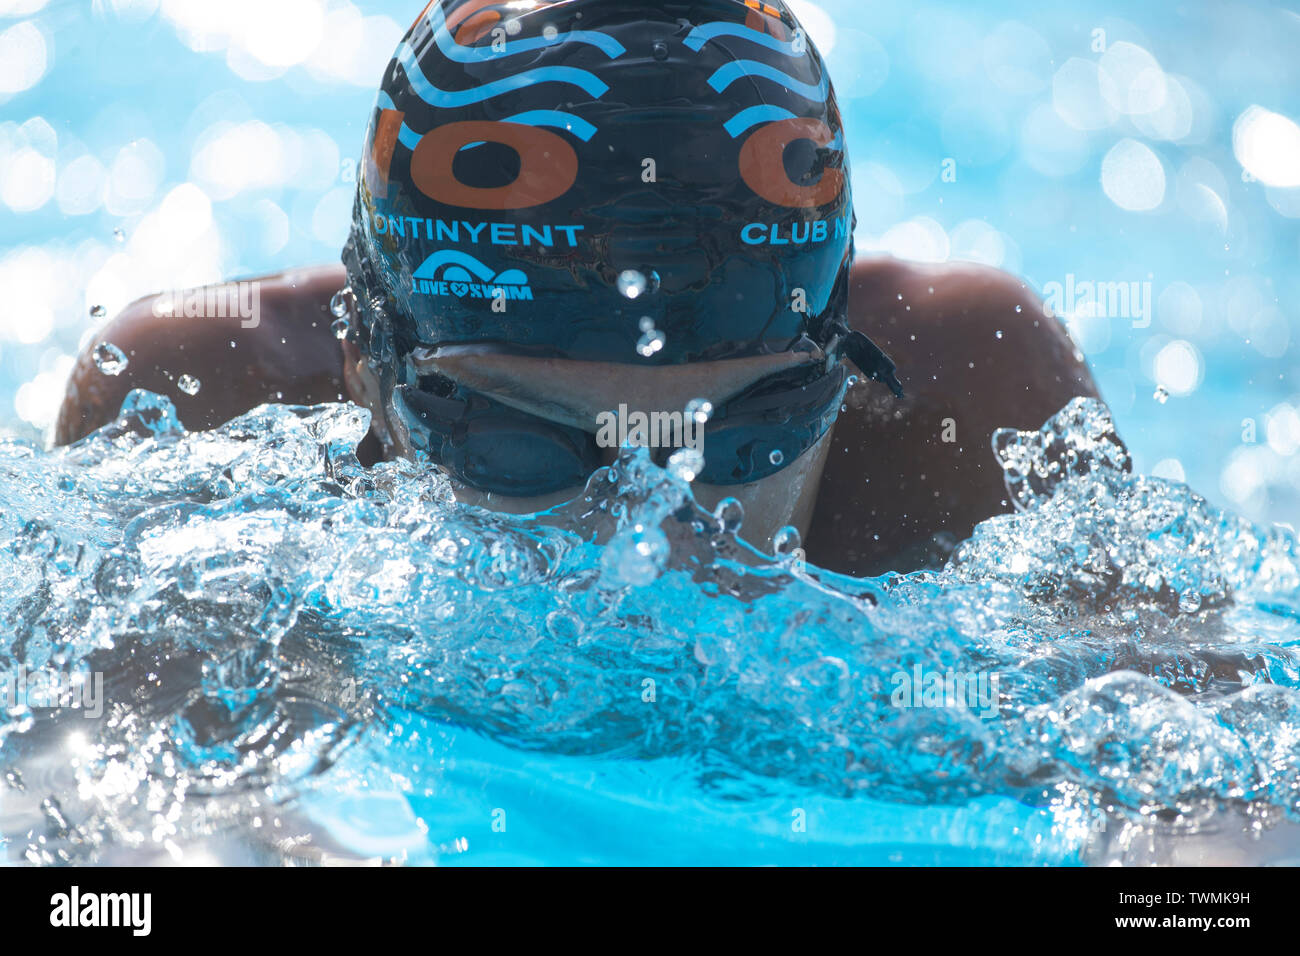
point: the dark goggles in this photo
(495, 448)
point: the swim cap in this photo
(570, 178)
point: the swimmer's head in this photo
(645, 184)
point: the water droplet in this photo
(631, 283)
(998, 334)
(1189, 602)
(513, 27)
(646, 324)
(650, 343)
(550, 31)
(700, 410)
(685, 463)
(777, 457)
(729, 514)
(635, 558)
(1161, 395)
(98, 311)
(1019, 309)
(341, 303)
(661, 51)
(189, 384)
(119, 234)
(341, 327)
(110, 359)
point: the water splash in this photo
(342, 303)
(302, 657)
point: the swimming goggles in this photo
(496, 448)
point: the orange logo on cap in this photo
(549, 165)
(762, 164)
(761, 16)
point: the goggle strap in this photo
(871, 361)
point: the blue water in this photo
(303, 658)
(307, 661)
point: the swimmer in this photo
(572, 210)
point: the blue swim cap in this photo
(553, 177)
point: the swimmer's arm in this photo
(975, 352)
(273, 345)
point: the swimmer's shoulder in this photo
(260, 340)
(975, 351)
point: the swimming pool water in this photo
(300, 656)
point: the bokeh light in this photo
(23, 57)
(1132, 176)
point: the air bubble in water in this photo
(777, 457)
(730, 514)
(119, 235)
(110, 359)
(341, 327)
(1161, 394)
(189, 384)
(98, 311)
(632, 284)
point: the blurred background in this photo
(1138, 164)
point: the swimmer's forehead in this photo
(576, 392)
